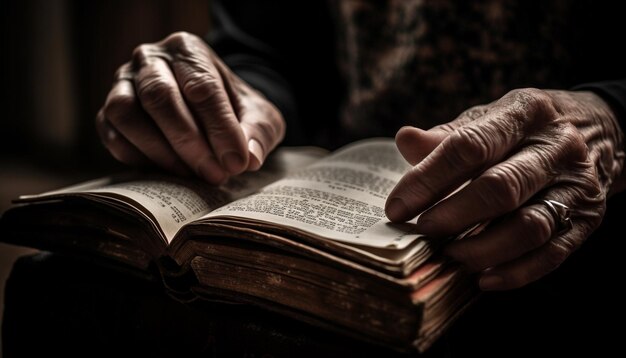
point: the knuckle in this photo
(475, 112)
(123, 72)
(574, 144)
(141, 53)
(501, 188)
(118, 106)
(179, 40)
(593, 189)
(178, 36)
(537, 228)
(533, 102)
(467, 147)
(156, 92)
(531, 96)
(200, 88)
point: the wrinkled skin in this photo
(527, 146)
(176, 105)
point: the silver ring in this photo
(561, 214)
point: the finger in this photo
(124, 73)
(123, 111)
(586, 215)
(204, 89)
(527, 229)
(466, 152)
(264, 128)
(505, 186)
(416, 144)
(119, 147)
(160, 97)
(524, 270)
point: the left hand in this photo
(178, 106)
(528, 146)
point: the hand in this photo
(528, 146)
(178, 106)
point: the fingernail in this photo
(256, 159)
(396, 210)
(233, 162)
(490, 282)
(424, 225)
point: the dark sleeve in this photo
(614, 92)
(251, 58)
(282, 49)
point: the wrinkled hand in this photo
(178, 106)
(528, 146)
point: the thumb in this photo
(416, 144)
(264, 129)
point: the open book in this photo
(306, 236)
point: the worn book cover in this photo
(306, 237)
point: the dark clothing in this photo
(295, 53)
(342, 70)
(289, 58)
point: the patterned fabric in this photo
(422, 62)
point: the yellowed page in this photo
(173, 202)
(340, 197)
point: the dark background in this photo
(58, 58)
(57, 61)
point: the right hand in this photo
(177, 105)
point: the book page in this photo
(340, 197)
(172, 202)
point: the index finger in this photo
(207, 92)
(160, 97)
(467, 152)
